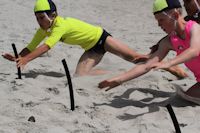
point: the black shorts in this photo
(99, 46)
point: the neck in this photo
(180, 30)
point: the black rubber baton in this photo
(69, 83)
(174, 120)
(16, 56)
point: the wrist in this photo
(170, 63)
(118, 80)
(27, 59)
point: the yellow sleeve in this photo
(55, 36)
(38, 37)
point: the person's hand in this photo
(109, 84)
(8, 57)
(21, 62)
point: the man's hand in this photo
(21, 62)
(108, 83)
(8, 57)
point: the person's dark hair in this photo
(196, 18)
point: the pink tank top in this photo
(180, 45)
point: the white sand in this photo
(137, 106)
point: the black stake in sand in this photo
(69, 83)
(16, 56)
(174, 120)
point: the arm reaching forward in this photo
(22, 61)
(140, 69)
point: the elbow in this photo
(195, 52)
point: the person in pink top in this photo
(182, 37)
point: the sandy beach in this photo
(137, 106)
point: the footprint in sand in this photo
(53, 90)
(82, 92)
(16, 85)
(29, 104)
(58, 107)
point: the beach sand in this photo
(137, 106)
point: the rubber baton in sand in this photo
(16, 56)
(174, 120)
(69, 83)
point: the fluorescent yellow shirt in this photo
(70, 31)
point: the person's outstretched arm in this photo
(22, 61)
(190, 53)
(140, 69)
(135, 72)
(38, 37)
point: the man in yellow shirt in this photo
(70, 31)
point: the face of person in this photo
(43, 20)
(165, 22)
(190, 7)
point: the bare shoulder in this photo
(194, 34)
(195, 29)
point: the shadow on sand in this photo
(34, 74)
(124, 101)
